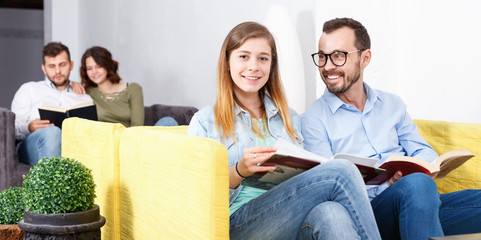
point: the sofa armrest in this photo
(11, 171)
(182, 114)
(95, 144)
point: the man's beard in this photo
(346, 84)
(57, 84)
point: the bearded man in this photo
(40, 138)
(351, 117)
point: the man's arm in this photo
(316, 139)
(412, 142)
(22, 107)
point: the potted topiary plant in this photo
(11, 212)
(59, 201)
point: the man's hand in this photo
(77, 88)
(398, 175)
(38, 124)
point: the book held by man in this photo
(56, 114)
(291, 160)
(443, 165)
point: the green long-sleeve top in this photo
(127, 107)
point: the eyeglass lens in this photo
(337, 58)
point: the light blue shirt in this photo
(202, 124)
(382, 129)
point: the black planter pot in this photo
(79, 225)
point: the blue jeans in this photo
(45, 142)
(166, 121)
(326, 202)
(412, 208)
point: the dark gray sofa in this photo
(11, 171)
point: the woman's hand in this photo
(77, 88)
(252, 159)
(250, 164)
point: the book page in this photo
(371, 162)
(52, 107)
(85, 103)
(289, 149)
(452, 160)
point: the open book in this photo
(56, 114)
(443, 165)
(291, 160)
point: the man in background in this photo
(40, 138)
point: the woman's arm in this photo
(137, 113)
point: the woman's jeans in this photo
(326, 202)
(45, 142)
(412, 208)
(166, 122)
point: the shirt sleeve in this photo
(22, 107)
(373, 191)
(315, 136)
(196, 128)
(413, 144)
(137, 113)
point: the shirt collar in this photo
(51, 85)
(335, 103)
(271, 108)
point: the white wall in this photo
(21, 41)
(427, 52)
(171, 47)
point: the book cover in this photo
(443, 165)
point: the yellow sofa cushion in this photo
(173, 186)
(96, 145)
(449, 136)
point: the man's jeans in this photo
(326, 202)
(45, 142)
(412, 208)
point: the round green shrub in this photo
(59, 185)
(11, 205)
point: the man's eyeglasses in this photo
(338, 58)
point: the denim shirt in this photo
(202, 124)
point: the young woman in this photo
(116, 101)
(250, 114)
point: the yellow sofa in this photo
(153, 182)
(159, 183)
(448, 136)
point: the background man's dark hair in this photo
(53, 49)
(362, 37)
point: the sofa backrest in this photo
(181, 114)
(448, 136)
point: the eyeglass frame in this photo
(329, 57)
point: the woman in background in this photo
(327, 202)
(116, 101)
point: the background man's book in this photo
(291, 160)
(56, 114)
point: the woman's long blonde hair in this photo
(224, 105)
